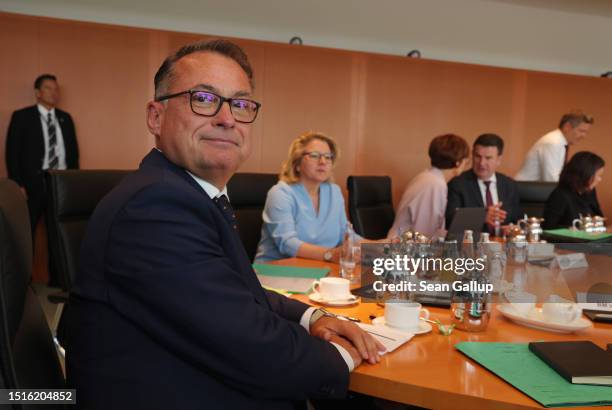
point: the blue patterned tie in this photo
(224, 205)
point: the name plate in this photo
(571, 261)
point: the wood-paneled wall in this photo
(383, 110)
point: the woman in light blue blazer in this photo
(304, 215)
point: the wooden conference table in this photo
(429, 372)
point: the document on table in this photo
(288, 279)
(604, 303)
(390, 338)
(520, 367)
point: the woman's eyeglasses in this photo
(316, 156)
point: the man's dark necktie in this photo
(224, 205)
(489, 202)
(566, 150)
(53, 160)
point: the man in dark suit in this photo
(166, 310)
(40, 137)
(482, 186)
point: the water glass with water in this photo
(349, 258)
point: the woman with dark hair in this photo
(575, 195)
(424, 201)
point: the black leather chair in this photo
(28, 359)
(247, 193)
(370, 205)
(533, 196)
(72, 197)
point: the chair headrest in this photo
(77, 192)
(535, 191)
(369, 190)
(250, 189)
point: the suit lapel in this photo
(61, 120)
(473, 183)
(37, 123)
(501, 190)
(240, 259)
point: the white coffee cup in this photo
(522, 302)
(559, 310)
(404, 315)
(332, 288)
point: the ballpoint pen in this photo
(349, 318)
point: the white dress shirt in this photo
(545, 159)
(60, 151)
(492, 188)
(214, 192)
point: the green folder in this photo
(289, 271)
(584, 236)
(517, 365)
(288, 279)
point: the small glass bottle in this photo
(468, 243)
(482, 247)
(497, 228)
(348, 254)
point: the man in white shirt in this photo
(547, 156)
(40, 137)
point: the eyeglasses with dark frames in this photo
(208, 104)
(316, 156)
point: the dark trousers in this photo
(37, 207)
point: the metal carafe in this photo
(584, 223)
(531, 227)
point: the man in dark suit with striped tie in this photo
(484, 187)
(40, 137)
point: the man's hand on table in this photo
(495, 213)
(360, 344)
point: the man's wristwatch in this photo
(328, 255)
(318, 314)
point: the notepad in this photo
(578, 361)
(514, 363)
(289, 279)
(390, 338)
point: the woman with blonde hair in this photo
(304, 215)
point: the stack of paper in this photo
(390, 338)
(603, 304)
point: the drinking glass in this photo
(349, 258)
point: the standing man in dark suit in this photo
(166, 310)
(482, 186)
(40, 137)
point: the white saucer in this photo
(318, 298)
(536, 320)
(424, 327)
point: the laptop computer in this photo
(464, 219)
